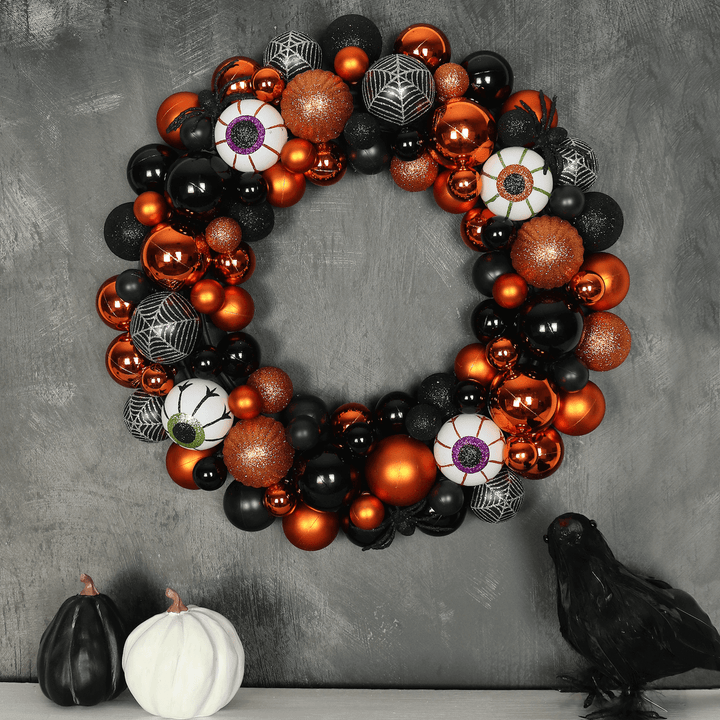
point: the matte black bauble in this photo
(488, 268)
(124, 233)
(133, 285)
(566, 202)
(370, 161)
(446, 498)
(256, 221)
(569, 373)
(245, 509)
(302, 432)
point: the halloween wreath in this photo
(234, 153)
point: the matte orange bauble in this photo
(532, 99)
(124, 363)
(400, 470)
(284, 188)
(309, 529)
(268, 84)
(180, 461)
(274, 387)
(462, 134)
(245, 402)
(614, 274)
(445, 199)
(207, 296)
(471, 363)
(330, 165)
(237, 73)
(298, 155)
(157, 379)
(351, 63)
(471, 227)
(425, 43)
(605, 342)
(151, 208)
(550, 451)
(112, 309)
(510, 291)
(580, 412)
(173, 259)
(236, 312)
(367, 512)
(520, 404)
(237, 266)
(502, 353)
(168, 111)
(280, 499)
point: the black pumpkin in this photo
(79, 660)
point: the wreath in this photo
(236, 152)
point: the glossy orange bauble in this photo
(425, 43)
(157, 379)
(112, 309)
(237, 73)
(471, 227)
(580, 412)
(400, 470)
(330, 165)
(462, 134)
(151, 208)
(309, 529)
(520, 404)
(614, 274)
(532, 99)
(173, 259)
(347, 415)
(502, 353)
(471, 363)
(298, 155)
(587, 287)
(284, 188)
(124, 363)
(236, 312)
(180, 461)
(520, 453)
(550, 451)
(464, 184)
(268, 84)
(245, 402)
(445, 199)
(280, 499)
(207, 296)
(605, 342)
(168, 111)
(237, 266)
(510, 291)
(351, 63)
(367, 512)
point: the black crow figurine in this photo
(633, 629)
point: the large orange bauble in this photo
(400, 470)
(168, 111)
(471, 363)
(173, 259)
(550, 451)
(532, 99)
(236, 312)
(445, 199)
(112, 309)
(180, 461)
(462, 133)
(124, 363)
(425, 43)
(309, 529)
(151, 208)
(580, 412)
(605, 342)
(615, 275)
(284, 188)
(521, 404)
(238, 71)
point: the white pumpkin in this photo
(183, 663)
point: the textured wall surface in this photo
(361, 289)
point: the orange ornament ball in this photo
(268, 84)
(280, 499)
(347, 415)
(236, 312)
(550, 451)
(425, 43)
(112, 309)
(151, 208)
(400, 470)
(274, 387)
(330, 165)
(502, 353)
(605, 342)
(310, 530)
(521, 404)
(207, 296)
(587, 287)
(445, 199)
(123, 362)
(462, 134)
(234, 75)
(173, 259)
(532, 99)
(580, 412)
(351, 63)
(615, 277)
(451, 80)
(298, 155)
(471, 227)
(520, 453)
(245, 402)
(464, 184)
(180, 461)
(471, 363)
(169, 110)
(236, 266)
(510, 291)
(157, 379)
(367, 512)
(414, 175)
(284, 188)
(223, 234)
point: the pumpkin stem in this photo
(89, 589)
(178, 605)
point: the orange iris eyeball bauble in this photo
(151, 208)
(298, 155)
(351, 63)
(580, 412)
(605, 342)
(180, 461)
(309, 529)
(520, 404)
(471, 363)
(236, 312)
(274, 387)
(169, 110)
(207, 296)
(245, 402)
(400, 470)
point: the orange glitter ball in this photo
(414, 175)
(316, 105)
(256, 452)
(547, 251)
(451, 80)
(223, 234)
(274, 386)
(605, 342)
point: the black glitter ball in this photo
(516, 128)
(124, 233)
(600, 222)
(351, 31)
(423, 422)
(361, 131)
(438, 390)
(256, 221)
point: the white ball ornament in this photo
(249, 135)
(184, 663)
(515, 184)
(196, 414)
(469, 449)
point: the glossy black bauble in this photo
(470, 396)
(489, 321)
(491, 78)
(549, 325)
(441, 525)
(358, 438)
(240, 355)
(325, 483)
(569, 373)
(206, 362)
(566, 202)
(196, 133)
(498, 233)
(148, 167)
(194, 184)
(391, 411)
(488, 268)
(409, 144)
(245, 509)
(251, 188)
(446, 498)
(209, 473)
(133, 286)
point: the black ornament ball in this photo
(409, 144)
(437, 390)
(488, 268)
(124, 233)
(133, 286)
(446, 497)
(209, 473)
(148, 167)
(240, 354)
(391, 411)
(440, 525)
(359, 536)
(244, 507)
(194, 184)
(491, 78)
(569, 373)
(196, 133)
(351, 31)
(498, 233)
(256, 221)
(470, 396)
(370, 161)
(325, 483)
(251, 188)
(600, 223)
(358, 438)
(489, 321)
(516, 128)
(423, 422)
(309, 405)
(206, 362)
(549, 326)
(361, 130)
(566, 202)
(303, 432)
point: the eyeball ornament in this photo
(515, 184)
(196, 414)
(249, 135)
(469, 449)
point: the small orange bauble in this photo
(236, 312)
(157, 379)
(510, 291)
(520, 453)
(464, 184)
(400, 470)
(471, 227)
(614, 274)
(605, 342)
(180, 461)
(445, 199)
(280, 499)
(298, 155)
(351, 63)
(425, 43)
(237, 266)
(520, 404)
(414, 175)
(310, 530)
(168, 111)
(207, 296)
(234, 75)
(451, 80)
(502, 353)
(330, 165)
(124, 363)
(274, 387)
(112, 309)
(580, 412)
(245, 402)
(587, 287)
(550, 452)
(151, 208)
(223, 234)
(268, 84)
(347, 415)
(284, 188)
(532, 99)
(367, 512)
(471, 363)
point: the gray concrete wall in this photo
(79, 86)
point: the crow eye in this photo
(546, 538)
(593, 524)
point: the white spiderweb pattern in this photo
(498, 499)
